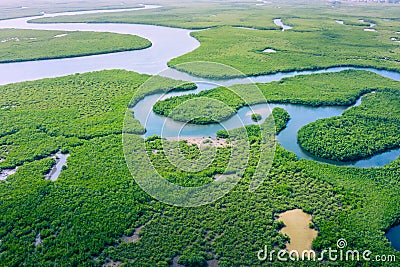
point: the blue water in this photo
(393, 235)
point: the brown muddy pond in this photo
(297, 227)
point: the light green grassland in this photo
(24, 45)
(23, 8)
(330, 45)
(316, 40)
(204, 14)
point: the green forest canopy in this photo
(82, 216)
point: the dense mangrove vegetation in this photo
(256, 117)
(61, 113)
(82, 217)
(361, 132)
(198, 111)
(281, 118)
(25, 45)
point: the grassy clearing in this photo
(25, 45)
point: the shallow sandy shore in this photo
(61, 161)
(269, 50)
(220, 177)
(60, 35)
(7, 172)
(133, 238)
(112, 263)
(246, 28)
(202, 141)
(7, 107)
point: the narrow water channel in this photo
(393, 235)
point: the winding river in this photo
(169, 43)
